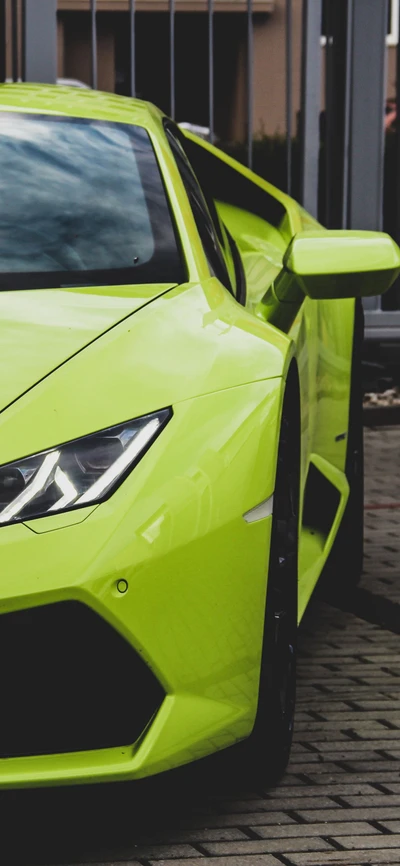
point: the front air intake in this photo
(70, 682)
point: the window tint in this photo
(205, 225)
(82, 202)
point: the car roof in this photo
(77, 102)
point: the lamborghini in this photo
(180, 441)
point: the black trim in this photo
(241, 285)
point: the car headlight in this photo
(81, 472)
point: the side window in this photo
(207, 230)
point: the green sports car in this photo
(180, 441)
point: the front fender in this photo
(193, 341)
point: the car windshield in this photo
(81, 203)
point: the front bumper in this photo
(193, 610)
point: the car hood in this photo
(41, 329)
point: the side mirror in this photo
(337, 264)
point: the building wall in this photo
(270, 69)
(74, 49)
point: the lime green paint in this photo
(312, 556)
(42, 329)
(191, 341)
(252, 232)
(76, 361)
(338, 264)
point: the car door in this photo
(262, 222)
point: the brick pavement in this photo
(340, 799)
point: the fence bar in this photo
(347, 114)
(398, 138)
(172, 56)
(133, 45)
(395, 291)
(311, 103)
(367, 96)
(93, 33)
(211, 68)
(338, 23)
(328, 125)
(250, 82)
(366, 138)
(40, 41)
(14, 39)
(289, 93)
(3, 40)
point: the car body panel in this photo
(191, 341)
(43, 329)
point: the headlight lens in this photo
(81, 472)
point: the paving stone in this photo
(392, 826)
(393, 787)
(356, 723)
(208, 834)
(291, 779)
(327, 790)
(321, 767)
(347, 754)
(365, 800)
(252, 860)
(237, 819)
(341, 813)
(148, 852)
(347, 828)
(336, 780)
(375, 767)
(346, 858)
(359, 745)
(267, 846)
(293, 802)
(381, 714)
(271, 804)
(362, 842)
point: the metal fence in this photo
(342, 160)
(211, 77)
(28, 25)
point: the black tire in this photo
(264, 756)
(345, 564)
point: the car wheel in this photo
(266, 753)
(345, 563)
